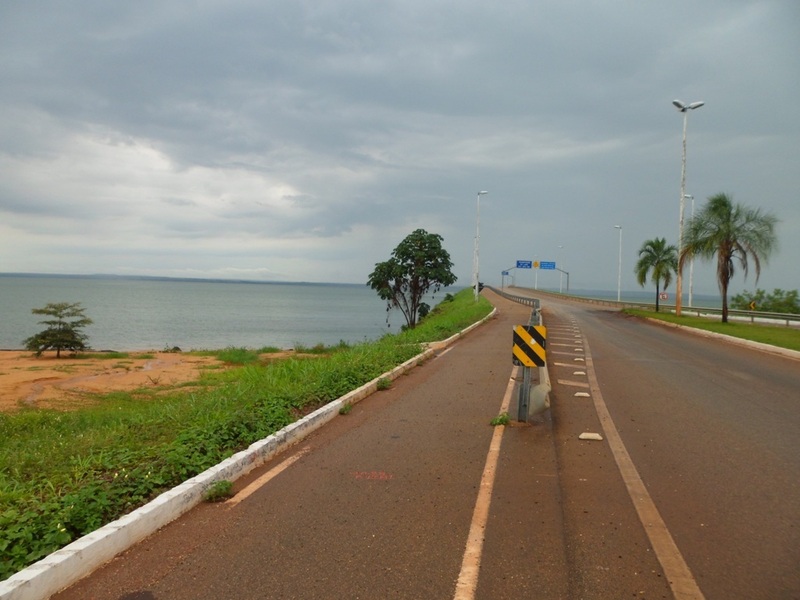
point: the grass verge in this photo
(782, 337)
(65, 474)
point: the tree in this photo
(63, 330)
(418, 265)
(734, 233)
(779, 301)
(656, 256)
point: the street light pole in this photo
(619, 264)
(561, 273)
(476, 255)
(684, 108)
(691, 262)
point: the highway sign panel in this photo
(524, 264)
(547, 265)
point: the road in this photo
(414, 495)
(714, 432)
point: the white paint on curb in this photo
(77, 560)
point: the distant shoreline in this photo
(97, 276)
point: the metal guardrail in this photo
(527, 300)
(531, 399)
(753, 316)
(789, 319)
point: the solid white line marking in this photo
(471, 563)
(679, 576)
(261, 481)
(443, 352)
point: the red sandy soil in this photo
(60, 383)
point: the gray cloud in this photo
(304, 140)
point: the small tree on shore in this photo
(418, 266)
(63, 330)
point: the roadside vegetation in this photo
(780, 336)
(779, 301)
(419, 265)
(658, 259)
(64, 474)
(735, 234)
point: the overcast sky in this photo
(303, 140)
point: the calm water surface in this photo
(141, 314)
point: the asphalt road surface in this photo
(714, 432)
(415, 495)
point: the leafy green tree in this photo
(63, 330)
(734, 233)
(418, 265)
(659, 258)
(779, 301)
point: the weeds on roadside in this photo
(501, 419)
(219, 491)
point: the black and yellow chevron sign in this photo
(529, 345)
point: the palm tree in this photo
(731, 231)
(655, 255)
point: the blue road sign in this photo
(547, 265)
(524, 264)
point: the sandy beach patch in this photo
(50, 382)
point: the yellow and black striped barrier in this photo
(529, 349)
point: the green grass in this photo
(64, 474)
(219, 492)
(782, 337)
(501, 419)
(106, 355)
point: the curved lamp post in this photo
(684, 108)
(476, 255)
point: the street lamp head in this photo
(482, 193)
(617, 226)
(688, 196)
(684, 107)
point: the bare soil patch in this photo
(50, 382)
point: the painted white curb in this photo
(77, 560)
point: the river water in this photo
(154, 314)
